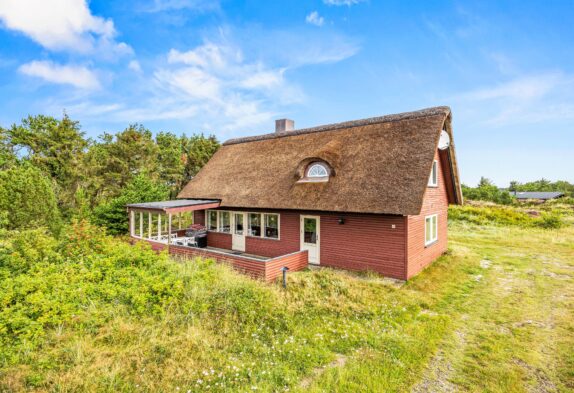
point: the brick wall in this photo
(435, 202)
(267, 270)
(364, 242)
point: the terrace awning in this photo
(175, 206)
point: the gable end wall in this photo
(435, 201)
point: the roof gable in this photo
(380, 165)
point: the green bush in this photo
(550, 220)
(28, 198)
(113, 215)
(487, 191)
(81, 280)
(85, 279)
(504, 216)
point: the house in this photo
(369, 194)
(541, 196)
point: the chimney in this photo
(284, 125)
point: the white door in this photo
(239, 225)
(310, 237)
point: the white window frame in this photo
(208, 221)
(318, 165)
(248, 226)
(434, 228)
(219, 226)
(249, 223)
(433, 179)
(264, 225)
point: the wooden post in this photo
(149, 225)
(179, 220)
(141, 224)
(132, 219)
(159, 227)
(168, 230)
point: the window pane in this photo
(310, 230)
(254, 224)
(272, 226)
(238, 224)
(434, 228)
(317, 170)
(434, 175)
(428, 230)
(212, 220)
(224, 222)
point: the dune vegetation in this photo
(88, 312)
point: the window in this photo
(212, 221)
(310, 230)
(433, 180)
(317, 170)
(271, 226)
(238, 230)
(264, 225)
(254, 224)
(431, 229)
(224, 222)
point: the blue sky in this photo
(231, 67)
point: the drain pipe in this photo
(284, 269)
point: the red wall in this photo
(435, 202)
(267, 270)
(363, 242)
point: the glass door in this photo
(310, 237)
(238, 233)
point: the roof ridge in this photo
(432, 111)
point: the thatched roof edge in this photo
(437, 110)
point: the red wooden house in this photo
(370, 194)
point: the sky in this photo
(230, 68)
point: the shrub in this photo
(28, 199)
(487, 191)
(550, 220)
(504, 216)
(80, 280)
(112, 214)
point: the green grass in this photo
(494, 314)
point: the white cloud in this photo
(78, 76)
(314, 19)
(526, 99)
(348, 3)
(176, 5)
(62, 25)
(218, 85)
(135, 66)
(524, 88)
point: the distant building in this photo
(536, 195)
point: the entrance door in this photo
(238, 231)
(310, 237)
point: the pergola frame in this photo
(164, 208)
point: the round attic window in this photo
(317, 170)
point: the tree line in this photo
(486, 190)
(50, 172)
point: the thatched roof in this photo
(379, 165)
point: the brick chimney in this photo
(284, 125)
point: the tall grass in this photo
(491, 214)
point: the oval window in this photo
(317, 170)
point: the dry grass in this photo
(495, 314)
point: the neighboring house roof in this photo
(378, 165)
(536, 194)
